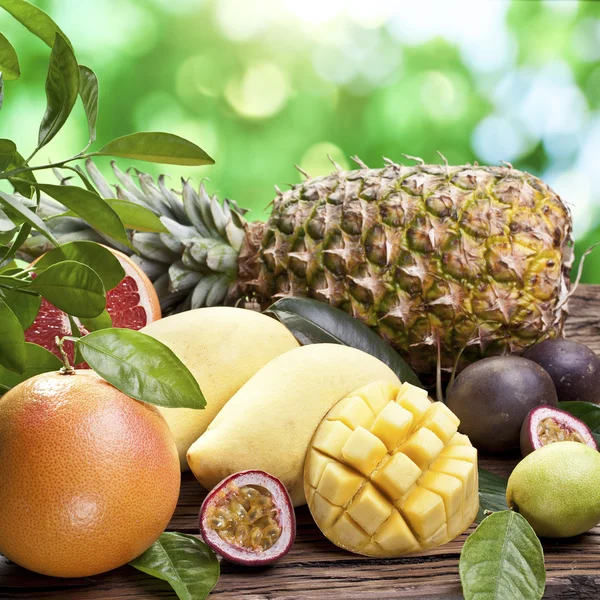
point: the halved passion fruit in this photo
(546, 424)
(249, 519)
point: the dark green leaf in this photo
(39, 360)
(72, 287)
(21, 182)
(157, 147)
(314, 322)
(15, 204)
(1, 90)
(36, 20)
(137, 217)
(503, 559)
(88, 91)
(17, 243)
(102, 321)
(187, 563)
(7, 151)
(25, 306)
(141, 367)
(586, 411)
(492, 493)
(62, 87)
(90, 207)
(12, 341)
(9, 61)
(95, 256)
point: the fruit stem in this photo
(66, 369)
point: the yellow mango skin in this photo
(269, 423)
(223, 347)
(390, 475)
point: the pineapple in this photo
(448, 264)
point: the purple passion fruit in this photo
(493, 396)
(574, 368)
(546, 425)
(249, 519)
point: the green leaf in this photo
(586, 411)
(88, 91)
(314, 322)
(136, 217)
(185, 562)
(1, 90)
(23, 234)
(7, 151)
(95, 256)
(39, 360)
(12, 341)
(15, 204)
(492, 493)
(25, 306)
(22, 182)
(9, 61)
(90, 207)
(102, 321)
(503, 559)
(36, 20)
(62, 87)
(72, 287)
(141, 367)
(165, 148)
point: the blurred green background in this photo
(264, 84)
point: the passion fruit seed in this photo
(550, 431)
(245, 517)
(249, 519)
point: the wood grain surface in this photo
(316, 569)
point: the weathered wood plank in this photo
(316, 569)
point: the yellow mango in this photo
(222, 347)
(398, 477)
(269, 423)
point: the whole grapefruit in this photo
(89, 478)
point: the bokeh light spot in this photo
(316, 162)
(261, 92)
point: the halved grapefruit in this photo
(132, 304)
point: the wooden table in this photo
(316, 569)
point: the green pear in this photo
(557, 489)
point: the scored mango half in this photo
(387, 473)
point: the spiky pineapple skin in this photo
(467, 261)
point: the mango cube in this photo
(339, 484)
(350, 532)
(315, 467)
(331, 437)
(395, 537)
(442, 421)
(376, 395)
(352, 412)
(463, 470)
(397, 476)
(424, 512)
(370, 509)
(422, 448)
(387, 473)
(323, 511)
(392, 425)
(363, 450)
(467, 453)
(448, 488)
(414, 399)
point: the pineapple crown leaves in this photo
(194, 262)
